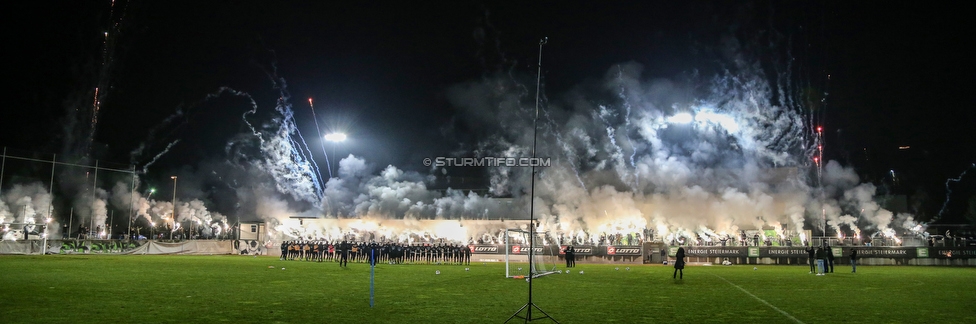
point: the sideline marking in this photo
(761, 300)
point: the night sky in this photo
(900, 73)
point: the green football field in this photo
(239, 289)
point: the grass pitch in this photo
(238, 289)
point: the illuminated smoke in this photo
(285, 155)
(25, 203)
(698, 157)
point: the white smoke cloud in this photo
(620, 164)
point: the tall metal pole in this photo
(44, 242)
(535, 121)
(174, 208)
(94, 183)
(50, 204)
(334, 209)
(3, 165)
(535, 131)
(132, 203)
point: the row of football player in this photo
(392, 253)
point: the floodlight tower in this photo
(174, 208)
(335, 138)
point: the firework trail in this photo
(328, 164)
(945, 204)
(172, 124)
(105, 69)
(145, 168)
(285, 155)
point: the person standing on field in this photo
(284, 250)
(830, 259)
(679, 263)
(344, 253)
(568, 254)
(811, 256)
(821, 261)
(853, 260)
(572, 257)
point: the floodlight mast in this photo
(535, 131)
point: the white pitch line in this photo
(761, 300)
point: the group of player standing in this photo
(362, 252)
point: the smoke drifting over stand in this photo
(701, 158)
(705, 153)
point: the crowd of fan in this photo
(362, 252)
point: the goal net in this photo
(517, 261)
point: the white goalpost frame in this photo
(537, 266)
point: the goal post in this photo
(517, 261)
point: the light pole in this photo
(149, 198)
(174, 208)
(335, 138)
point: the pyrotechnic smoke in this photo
(700, 156)
(738, 161)
(25, 203)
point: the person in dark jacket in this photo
(344, 248)
(830, 260)
(679, 263)
(568, 255)
(853, 260)
(811, 256)
(572, 256)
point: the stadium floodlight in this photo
(335, 137)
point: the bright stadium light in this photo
(335, 137)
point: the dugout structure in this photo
(521, 262)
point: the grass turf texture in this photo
(236, 289)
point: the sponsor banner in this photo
(885, 252)
(585, 250)
(733, 251)
(98, 246)
(539, 250)
(487, 249)
(624, 250)
(800, 252)
(951, 253)
(784, 252)
(837, 251)
(922, 252)
(581, 250)
(711, 251)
